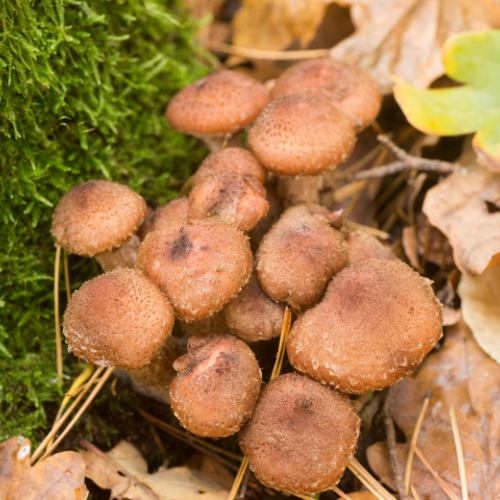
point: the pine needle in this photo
(460, 453)
(56, 314)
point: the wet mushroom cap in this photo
(346, 87)
(221, 103)
(252, 315)
(175, 209)
(299, 255)
(301, 435)
(118, 319)
(377, 321)
(364, 246)
(217, 385)
(96, 216)
(237, 160)
(297, 134)
(236, 200)
(200, 265)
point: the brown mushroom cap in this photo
(200, 265)
(363, 246)
(346, 87)
(297, 134)
(301, 436)
(118, 319)
(96, 216)
(252, 315)
(299, 255)
(237, 160)
(215, 323)
(175, 209)
(236, 200)
(221, 103)
(217, 385)
(376, 323)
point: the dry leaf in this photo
(404, 37)
(59, 477)
(212, 469)
(466, 208)
(275, 24)
(462, 375)
(481, 309)
(178, 483)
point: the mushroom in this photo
(200, 265)
(377, 321)
(346, 87)
(215, 323)
(234, 199)
(363, 246)
(301, 435)
(299, 255)
(216, 106)
(217, 385)
(118, 319)
(252, 315)
(237, 160)
(175, 209)
(297, 134)
(98, 219)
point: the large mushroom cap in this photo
(200, 265)
(299, 255)
(217, 385)
(118, 319)
(297, 134)
(97, 216)
(237, 160)
(375, 324)
(221, 103)
(234, 199)
(252, 315)
(348, 88)
(301, 436)
(364, 246)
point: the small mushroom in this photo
(236, 200)
(118, 319)
(377, 321)
(299, 255)
(301, 435)
(217, 385)
(346, 87)
(200, 265)
(175, 209)
(297, 134)
(363, 246)
(252, 315)
(98, 219)
(216, 106)
(237, 160)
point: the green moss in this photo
(83, 88)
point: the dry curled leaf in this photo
(404, 37)
(462, 375)
(59, 477)
(178, 483)
(275, 24)
(481, 309)
(466, 208)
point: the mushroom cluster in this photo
(363, 319)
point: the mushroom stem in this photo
(217, 142)
(123, 256)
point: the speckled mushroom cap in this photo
(252, 315)
(96, 216)
(118, 319)
(297, 134)
(363, 246)
(200, 265)
(301, 436)
(348, 88)
(237, 160)
(221, 103)
(217, 385)
(375, 324)
(234, 199)
(175, 209)
(299, 255)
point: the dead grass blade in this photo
(56, 313)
